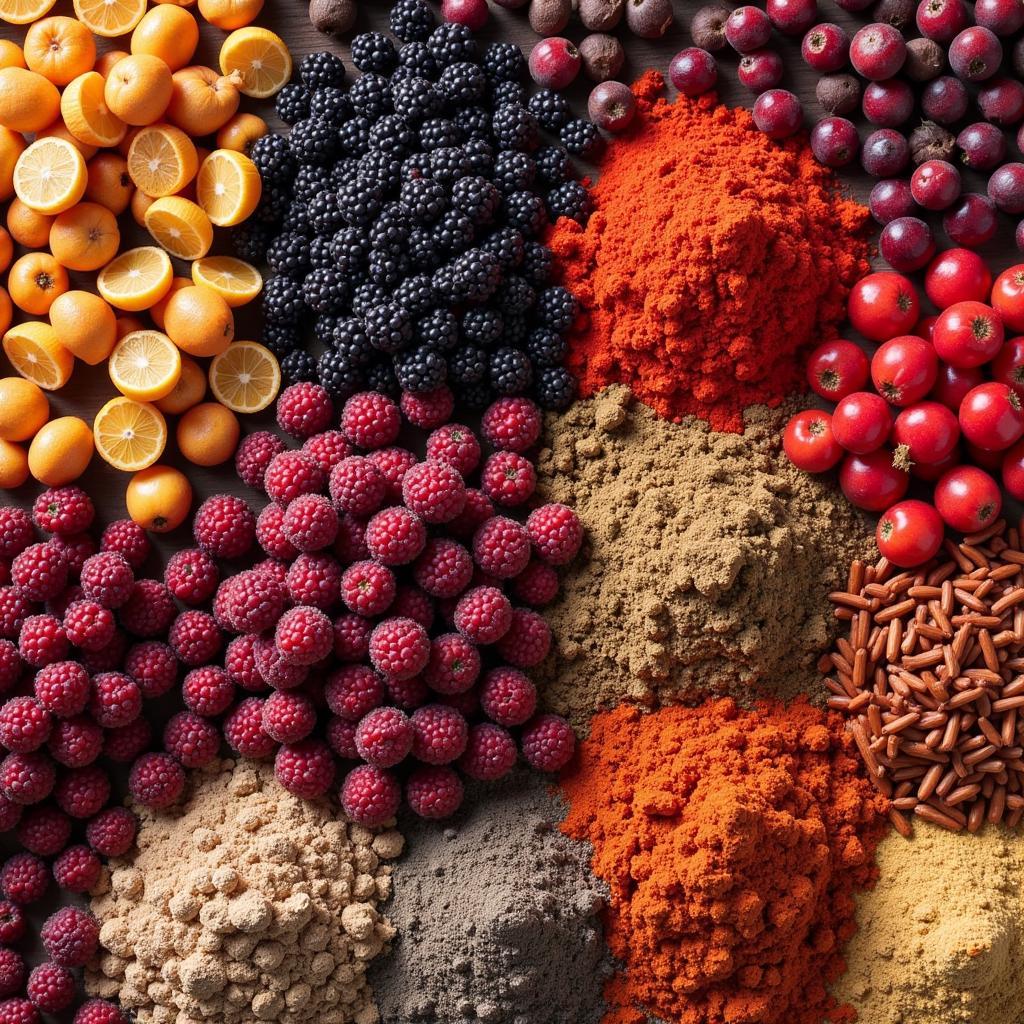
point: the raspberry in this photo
(304, 635)
(116, 699)
(42, 640)
(11, 666)
(368, 588)
(250, 602)
(19, 1011)
(51, 988)
(76, 548)
(304, 409)
(107, 579)
(83, 792)
(357, 486)
(352, 637)
(77, 869)
(341, 737)
(444, 568)
(399, 648)
(511, 424)
(275, 568)
(156, 780)
(536, 585)
(128, 539)
(194, 741)
(76, 742)
(24, 725)
(478, 509)
(10, 815)
(395, 536)
(27, 778)
(315, 580)
(70, 937)
(508, 478)
(327, 449)
(99, 1011)
(153, 666)
(40, 572)
(191, 576)
(254, 455)
(427, 409)
(353, 691)
(288, 717)
(548, 743)
(555, 532)
(507, 697)
(490, 753)
(5, 571)
(407, 694)
(12, 922)
(501, 547)
(240, 664)
(24, 879)
(58, 606)
(123, 744)
(413, 603)
(208, 691)
(456, 446)
(433, 791)
(291, 474)
(243, 729)
(310, 522)
(14, 610)
(224, 526)
(44, 831)
(12, 972)
(149, 611)
(195, 637)
(277, 672)
(370, 796)
(63, 510)
(384, 737)
(454, 664)
(110, 658)
(351, 543)
(370, 420)
(111, 833)
(270, 533)
(483, 615)
(16, 531)
(305, 768)
(528, 640)
(434, 491)
(440, 734)
(89, 625)
(393, 463)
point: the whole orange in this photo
(159, 498)
(61, 451)
(199, 321)
(208, 434)
(35, 280)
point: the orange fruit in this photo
(202, 100)
(13, 465)
(181, 227)
(21, 12)
(24, 408)
(86, 237)
(228, 187)
(85, 324)
(234, 280)
(199, 321)
(27, 226)
(107, 60)
(12, 145)
(230, 14)
(136, 279)
(108, 182)
(61, 451)
(140, 204)
(145, 366)
(35, 280)
(260, 56)
(28, 101)
(6, 309)
(167, 32)
(127, 324)
(50, 175)
(245, 377)
(59, 130)
(85, 112)
(207, 434)
(110, 18)
(6, 249)
(59, 49)
(159, 498)
(156, 311)
(189, 391)
(34, 351)
(129, 435)
(241, 132)
(11, 54)
(138, 88)
(162, 160)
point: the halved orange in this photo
(162, 160)
(180, 226)
(228, 187)
(86, 113)
(23, 12)
(234, 280)
(145, 365)
(35, 352)
(245, 377)
(129, 435)
(136, 279)
(260, 56)
(109, 18)
(50, 176)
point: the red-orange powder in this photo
(714, 256)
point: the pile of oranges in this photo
(84, 140)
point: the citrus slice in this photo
(86, 113)
(22, 12)
(260, 57)
(35, 352)
(110, 18)
(245, 377)
(180, 226)
(129, 435)
(50, 176)
(137, 279)
(228, 187)
(162, 160)
(234, 280)
(145, 365)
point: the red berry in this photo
(399, 648)
(357, 486)
(483, 615)
(554, 62)
(871, 481)
(877, 51)
(76, 742)
(837, 368)
(123, 744)
(24, 879)
(508, 478)
(968, 334)
(254, 455)
(305, 768)
(208, 691)
(88, 625)
(310, 522)
(315, 580)
(243, 729)
(304, 409)
(384, 737)
(116, 699)
(24, 724)
(693, 71)
(44, 831)
(42, 640)
(433, 791)
(288, 717)
(99, 1011)
(490, 753)
(883, 305)
(192, 740)
(224, 526)
(77, 869)
(352, 637)
(407, 694)
(156, 780)
(149, 611)
(191, 576)
(62, 688)
(992, 416)
(478, 509)
(926, 432)
(153, 666)
(393, 463)
(16, 531)
(19, 1011)
(456, 446)
(274, 669)
(51, 988)
(304, 635)
(810, 443)
(27, 778)
(290, 474)
(909, 533)
(501, 546)
(250, 602)
(12, 923)
(427, 409)
(968, 499)
(76, 548)
(904, 369)
(240, 664)
(453, 666)
(370, 420)
(63, 510)
(327, 449)
(444, 568)
(825, 48)
(528, 640)
(395, 536)
(112, 832)
(440, 734)
(434, 491)
(107, 579)
(370, 796)
(12, 972)
(368, 588)
(353, 691)
(341, 736)
(70, 937)
(14, 610)
(536, 585)
(40, 572)
(83, 792)
(127, 539)
(548, 743)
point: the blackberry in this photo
(554, 165)
(360, 202)
(424, 199)
(411, 20)
(462, 83)
(503, 93)
(390, 231)
(467, 365)
(350, 247)
(280, 338)
(338, 375)
(416, 165)
(309, 180)
(448, 164)
(354, 136)
(351, 341)
(424, 252)
(416, 57)
(479, 157)
(515, 297)
(546, 347)
(517, 330)
(320, 70)
(451, 43)
(514, 127)
(325, 291)
(273, 204)
(292, 103)
(249, 240)
(508, 245)
(320, 255)
(390, 139)
(366, 296)
(525, 212)
(555, 388)
(273, 159)
(483, 327)
(370, 96)
(537, 263)
(581, 138)
(509, 371)
(381, 377)
(331, 104)
(570, 199)
(476, 275)
(473, 122)
(388, 327)
(439, 329)
(556, 308)
(454, 232)
(325, 213)
(415, 295)
(345, 169)
(324, 326)
(401, 74)
(504, 62)
(381, 167)
(550, 108)
(387, 269)
(416, 99)
(288, 254)
(296, 218)
(477, 396)
(374, 51)
(298, 365)
(436, 132)
(282, 300)
(514, 172)
(422, 369)
(313, 141)
(477, 198)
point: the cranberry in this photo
(935, 185)
(471, 13)
(1004, 17)
(1001, 101)
(777, 113)
(967, 498)
(1006, 188)
(1013, 470)
(871, 481)
(885, 153)
(904, 369)
(991, 416)
(883, 305)
(906, 244)
(760, 70)
(834, 141)
(968, 334)
(941, 20)
(853, 5)
(611, 106)
(889, 199)
(1008, 297)
(826, 48)
(1008, 365)
(953, 384)
(862, 422)
(693, 71)
(809, 443)
(792, 17)
(982, 146)
(975, 54)
(957, 275)
(747, 28)
(888, 104)
(878, 51)
(837, 368)
(972, 222)
(909, 533)
(554, 62)
(925, 432)
(945, 99)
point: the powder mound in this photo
(713, 257)
(731, 842)
(708, 559)
(246, 904)
(941, 937)
(497, 918)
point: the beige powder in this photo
(246, 904)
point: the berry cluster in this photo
(402, 217)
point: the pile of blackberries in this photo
(401, 219)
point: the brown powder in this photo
(707, 563)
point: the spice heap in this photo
(939, 938)
(672, 602)
(245, 902)
(497, 918)
(700, 276)
(732, 843)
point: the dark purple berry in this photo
(877, 51)
(975, 54)
(944, 100)
(972, 222)
(760, 70)
(747, 29)
(611, 106)
(1006, 188)
(778, 114)
(835, 142)
(935, 185)
(826, 47)
(890, 199)
(1004, 17)
(885, 153)
(1001, 101)
(792, 17)
(982, 146)
(693, 71)
(906, 244)
(888, 104)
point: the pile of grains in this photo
(497, 918)
(245, 904)
(732, 843)
(940, 939)
(707, 564)
(714, 255)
